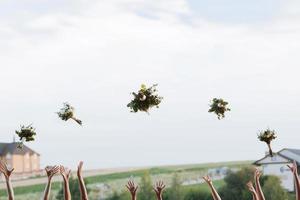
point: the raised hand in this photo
(158, 189)
(250, 187)
(132, 189)
(207, 179)
(83, 191)
(257, 174)
(294, 170)
(293, 167)
(252, 190)
(214, 192)
(66, 175)
(79, 169)
(51, 171)
(5, 171)
(260, 194)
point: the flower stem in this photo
(77, 120)
(270, 149)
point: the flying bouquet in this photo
(145, 99)
(26, 134)
(219, 107)
(67, 112)
(267, 136)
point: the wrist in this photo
(7, 178)
(133, 197)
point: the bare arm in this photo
(83, 192)
(214, 192)
(158, 189)
(296, 179)
(66, 174)
(258, 189)
(132, 189)
(51, 171)
(252, 190)
(7, 172)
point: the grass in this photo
(39, 188)
(90, 180)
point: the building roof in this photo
(12, 148)
(283, 156)
(295, 151)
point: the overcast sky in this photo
(92, 54)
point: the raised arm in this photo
(7, 172)
(252, 190)
(83, 192)
(66, 175)
(258, 189)
(296, 179)
(132, 189)
(50, 171)
(214, 192)
(158, 189)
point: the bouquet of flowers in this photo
(26, 133)
(267, 136)
(67, 112)
(219, 107)
(145, 99)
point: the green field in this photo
(116, 181)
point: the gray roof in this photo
(12, 148)
(295, 151)
(288, 154)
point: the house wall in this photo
(23, 163)
(17, 163)
(35, 162)
(283, 172)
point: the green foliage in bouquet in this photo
(267, 136)
(26, 133)
(67, 112)
(219, 107)
(145, 99)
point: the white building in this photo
(277, 165)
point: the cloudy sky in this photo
(94, 53)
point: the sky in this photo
(94, 53)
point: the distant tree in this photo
(273, 189)
(175, 191)
(196, 194)
(235, 188)
(145, 191)
(74, 189)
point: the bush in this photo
(196, 194)
(145, 191)
(273, 190)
